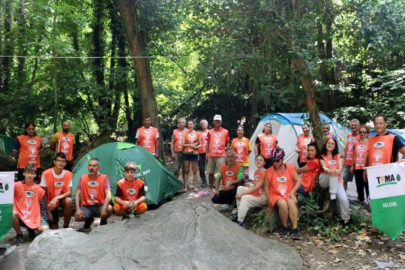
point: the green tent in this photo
(161, 183)
(6, 144)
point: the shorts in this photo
(140, 207)
(214, 163)
(190, 157)
(41, 223)
(346, 174)
(91, 211)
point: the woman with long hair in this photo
(242, 147)
(310, 170)
(191, 145)
(265, 143)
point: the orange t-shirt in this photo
(308, 178)
(26, 203)
(257, 178)
(178, 139)
(380, 149)
(280, 185)
(217, 141)
(30, 148)
(241, 148)
(66, 144)
(267, 144)
(130, 190)
(191, 138)
(93, 192)
(229, 173)
(351, 140)
(203, 146)
(302, 144)
(333, 163)
(360, 154)
(56, 186)
(147, 138)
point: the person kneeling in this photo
(26, 210)
(231, 176)
(130, 195)
(251, 197)
(281, 185)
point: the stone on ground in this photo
(179, 235)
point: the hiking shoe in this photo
(241, 223)
(296, 234)
(18, 240)
(87, 223)
(125, 217)
(285, 232)
(103, 222)
(31, 234)
(234, 217)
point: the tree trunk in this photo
(136, 39)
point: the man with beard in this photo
(64, 142)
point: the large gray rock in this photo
(179, 235)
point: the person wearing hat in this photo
(281, 186)
(217, 144)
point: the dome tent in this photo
(161, 183)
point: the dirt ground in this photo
(364, 249)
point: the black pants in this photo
(201, 168)
(361, 185)
(225, 197)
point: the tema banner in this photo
(6, 202)
(387, 197)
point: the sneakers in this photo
(241, 223)
(18, 240)
(234, 217)
(284, 232)
(296, 234)
(31, 233)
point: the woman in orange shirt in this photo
(191, 145)
(242, 148)
(310, 170)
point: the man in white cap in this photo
(217, 144)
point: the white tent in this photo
(287, 127)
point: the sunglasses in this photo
(363, 132)
(277, 160)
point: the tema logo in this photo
(58, 184)
(379, 144)
(29, 194)
(388, 180)
(282, 179)
(31, 141)
(92, 184)
(131, 191)
(229, 173)
(4, 189)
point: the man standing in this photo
(57, 183)
(148, 137)
(64, 142)
(176, 146)
(94, 190)
(202, 152)
(217, 143)
(27, 149)
(347, 175)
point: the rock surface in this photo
(179, 235)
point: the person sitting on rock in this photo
(281, 185)
(231, 176)
(26, 211)
(309, 171)
(130, 195)
(251, 197)
(94, 190)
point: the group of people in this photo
(275, 183)
(39, 197)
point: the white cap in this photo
(218, 117)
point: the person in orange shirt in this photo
(202, 153)
(360, 152)
(265, 143)
(310, 170)
(302, 142)
(57, 183)
(347, 173)
(281, 185)
(326, 132)
(176, 147)
(130, 195)
(217, 144)
(191, 145)
(231, 176)
(242, 148)
(26, 210)
(64, 142)
(27, 149)
(255, 196)
(148, 137)
(93, 196)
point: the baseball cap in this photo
(217, 117)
